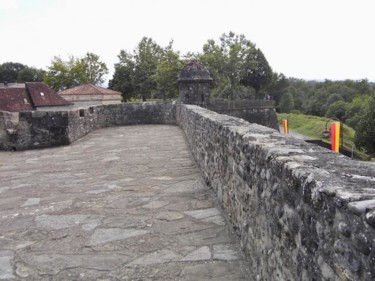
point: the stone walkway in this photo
(123, 203)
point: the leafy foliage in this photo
(365, 133)
(340, 100)
(149, 72)
(13, 72)
(123, 77)
(146, 57)
(235, 63)
(167, 73)
(338, 110)
(258, 73)
(287, 102)
(94, 69)
(75, 71)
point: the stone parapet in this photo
(301, 212)
(38, 129)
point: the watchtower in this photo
(194, 84)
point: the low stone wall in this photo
(136, 114)
(45, 129)
(5, 120)
(301, 212)
(254, 111)
(36, 129)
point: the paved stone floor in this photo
(123, 203)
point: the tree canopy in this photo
(14, 72)
(167, 73)
(236, 62)
(63, 74)
(150, 71)
(365, 131)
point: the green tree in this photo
(30, 74)
(167, 73)
(235, 63)
(9, 71)
(94, 68)
(365, 131)
(338, 110)
(147, 57)
(123, 76)
(135, 73)
(277, 87)
(258, 73)
(13, 72)
(63, 74)
(317, 102)
(355, 110)
(214, 59)
(286, 102)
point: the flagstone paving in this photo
(123, 203)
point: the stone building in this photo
(30, 96)
(88, 95)
(194, 84)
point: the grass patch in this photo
(313, 127)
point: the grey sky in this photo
(320, 39)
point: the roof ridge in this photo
(94, 87)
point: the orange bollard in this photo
(285, 126)
(335, 136)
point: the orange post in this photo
(285, 126)
(335, 136)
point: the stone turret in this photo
(194, 84)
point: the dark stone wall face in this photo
(194, 92)
(38, 129)
(5, 121)
(261, 112)
(301, 212)
(136, 114)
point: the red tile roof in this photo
(15, 99)
(32, 95)
(42, 95)
(89, 89)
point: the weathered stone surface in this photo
(202, 253)
(60, 221)
(6, 270)
(31, 202)
(71, 216)
(207, 215)
(254, 111)
(225, 252)
(45, 129)
(101, 236)
(301, 212)
(163, 256)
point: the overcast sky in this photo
(309, 39)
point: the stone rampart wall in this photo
(45, 129)
(36, 129)
(254, 111)
(301, 212)
(5, 120)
